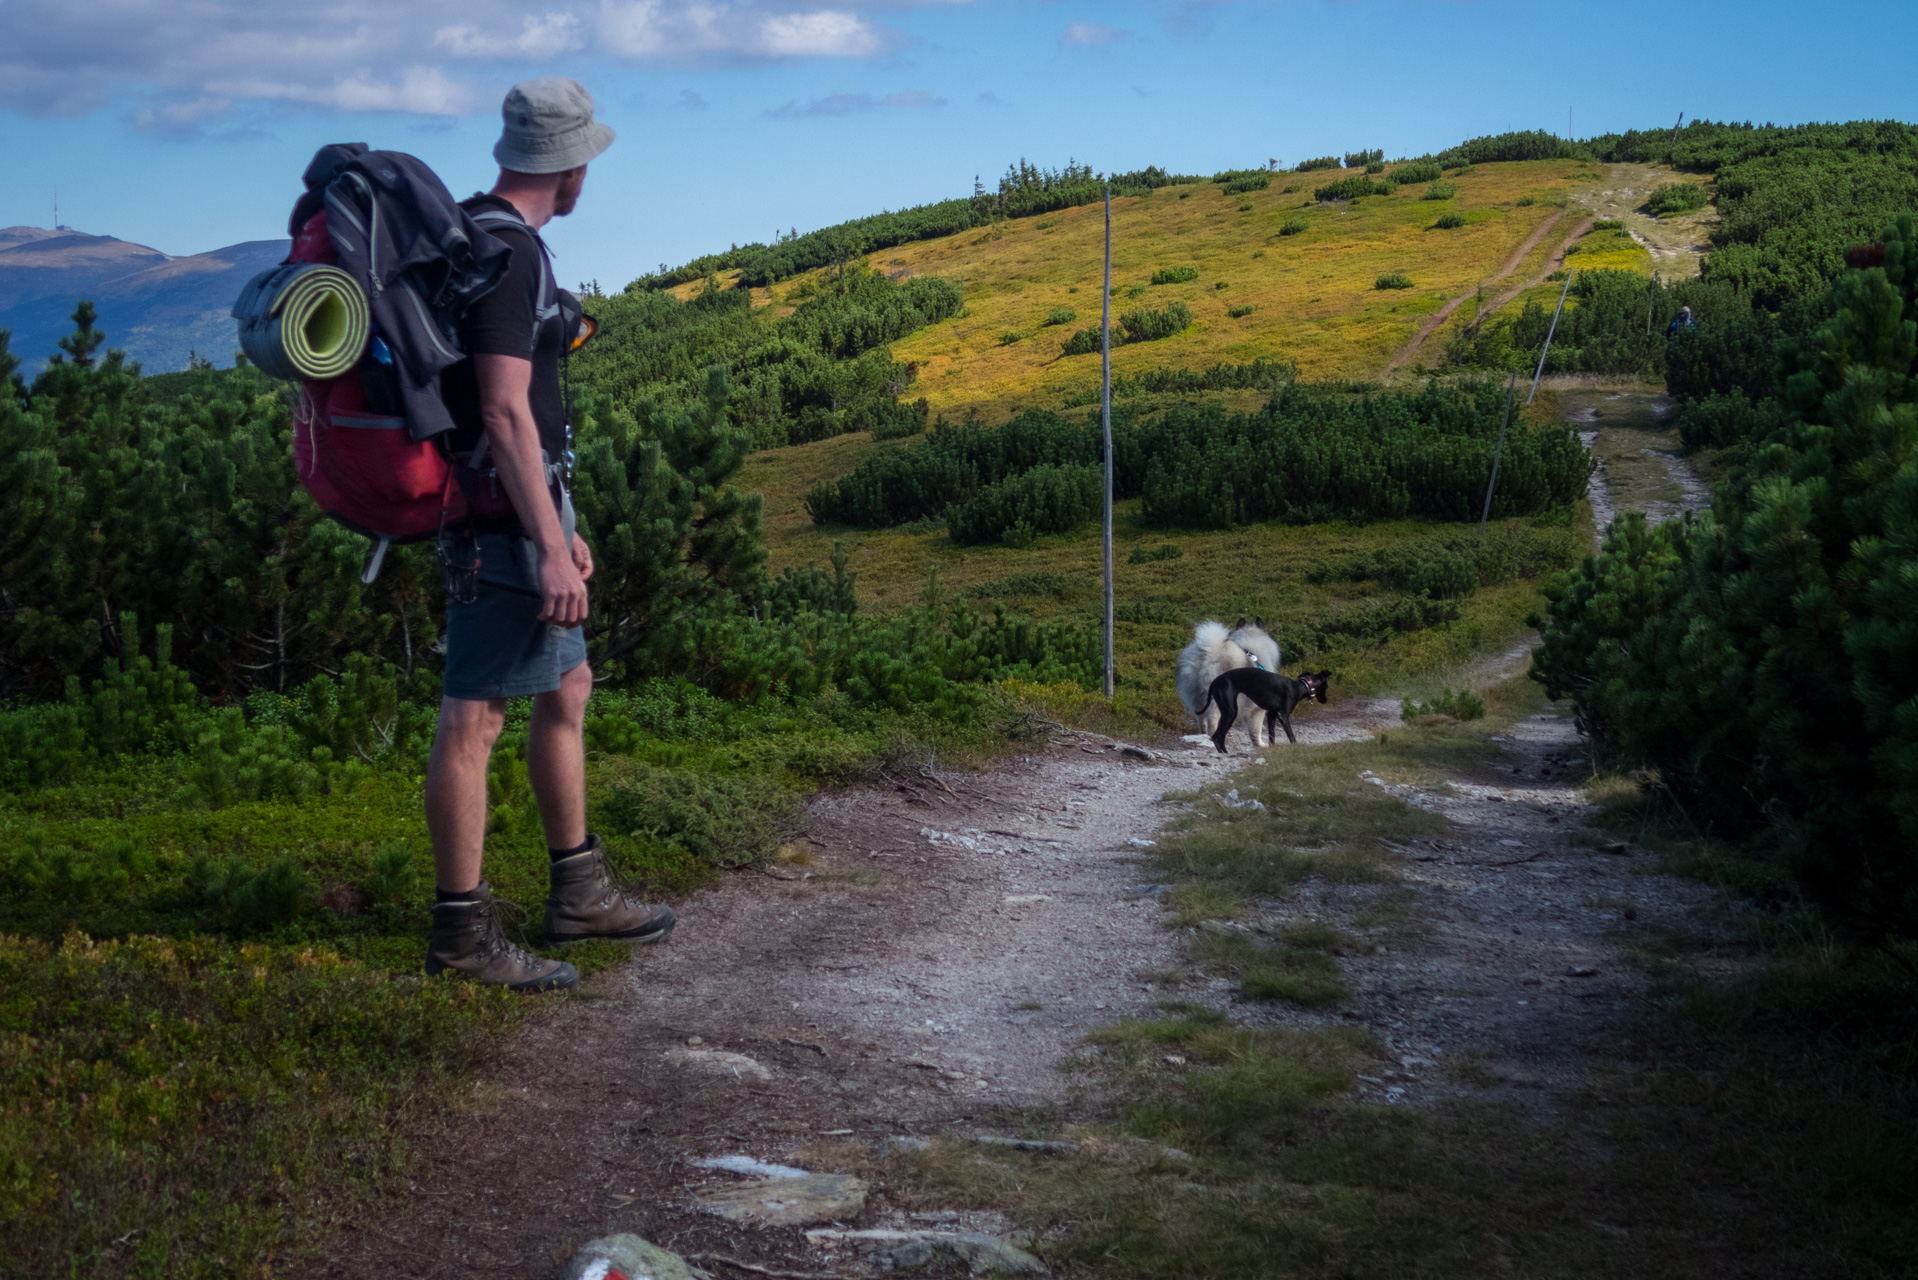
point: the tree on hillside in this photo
(1764, 659)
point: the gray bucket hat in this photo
(549, 127)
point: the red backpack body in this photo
(363, 466)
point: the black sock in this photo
(456, 895)
(581, 847)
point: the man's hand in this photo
(582, 558)
(562, 589)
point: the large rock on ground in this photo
(789, 1202)
(627, 1255)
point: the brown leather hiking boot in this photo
(468, 939)
(586, 903)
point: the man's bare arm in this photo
(507, 411)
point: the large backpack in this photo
(352, 447)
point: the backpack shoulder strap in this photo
(548, 305)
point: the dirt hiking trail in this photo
(938, 953)
(1553, 262)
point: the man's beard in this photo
(567, 197)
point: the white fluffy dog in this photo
(1214, 651)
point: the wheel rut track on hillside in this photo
(1552, 263)
(931, 969)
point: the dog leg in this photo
(1228, 712)
(1287, 722)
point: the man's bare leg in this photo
(556, 758)
(456, 788)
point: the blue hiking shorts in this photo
(496, 646)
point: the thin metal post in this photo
(1105, 425)
(1498, 451)
(1549, 332)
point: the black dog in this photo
(1273, 693)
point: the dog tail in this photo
(1194, 669)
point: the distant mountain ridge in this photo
(157, 308)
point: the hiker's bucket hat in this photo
(549, 127)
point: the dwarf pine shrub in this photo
(1061, 315)
(1293, 226)
(1449, 221)
(1417, 171)
(1676, 197)
(1315, 164)
(1350, 187)
(1175, 275)
(1393, 280)
(1150, 325)
(1045, 499)
(1440, 191)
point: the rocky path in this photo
(930, 959)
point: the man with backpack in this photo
(517, 574)
(1681, 323)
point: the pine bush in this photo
(1175, 275)
(1150, 325)
(1044, 499)
(1676, 197)
(1417, 171)
(1767, 648)
(1440, 191)
(1449, 221)
(1294, 226)
(1393, 280)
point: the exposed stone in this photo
(789, 1202)
(1137, 753)
(627, 1256)
(750, 1167)
(1050, 1147)
(717, 1062)
(906, 1250)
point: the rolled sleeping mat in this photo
(303, 321)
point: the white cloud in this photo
(854, 104)
(828, 34)
(542, 35)
(1090, 35)
(186, 64)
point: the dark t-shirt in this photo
(504, 323)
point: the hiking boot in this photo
(586, 903)
(468, 939)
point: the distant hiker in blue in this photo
(1681, 321)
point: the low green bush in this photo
(1459, 704)
(1377, 166)
(1315, 164)
(1061, 315)
(1676, 197)
(1045, 499)
(1417, 171)
(1256, 181)
(1525, 202)
(1175, 275)
(1449, 221)
(1363, 159)
(1393, 280)
(1151, 325)
(1240, 313)
(1440, 191)
(1294, 226)
(1350, 187)
(1011, 336)
(1608, 224)
(722, 820)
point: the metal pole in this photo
(1105, 425)
(1549, 332)
(1511, 389)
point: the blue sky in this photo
(186, 127)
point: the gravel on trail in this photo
(936, 954)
